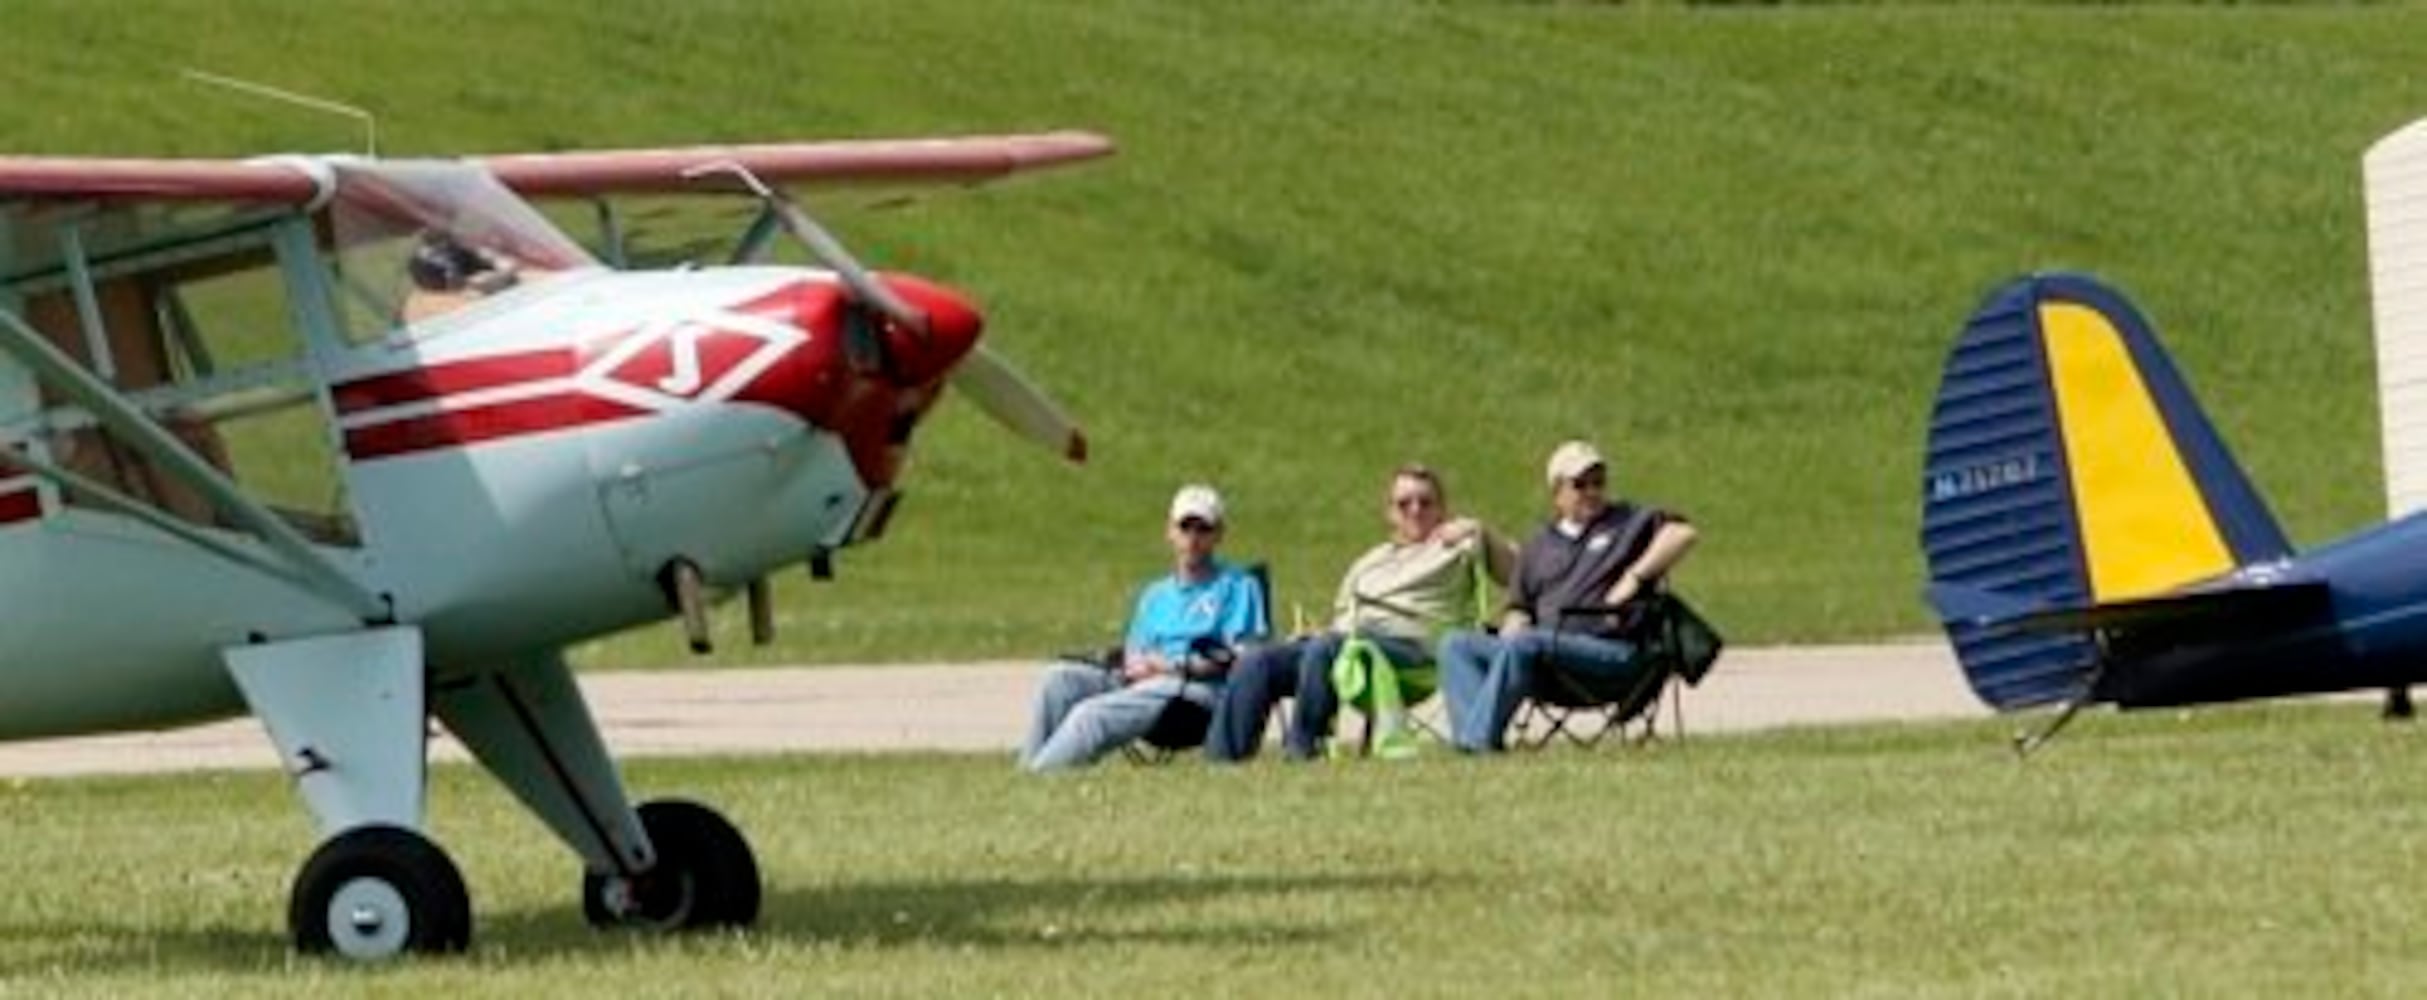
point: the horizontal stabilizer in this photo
(1978, 606)
(2232, 607)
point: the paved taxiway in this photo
(982, 706)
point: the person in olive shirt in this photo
(1594, 552)
(1397, 595)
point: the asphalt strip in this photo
(983, 706)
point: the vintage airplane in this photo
(2091, 540)
(353, 443)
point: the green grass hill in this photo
(1729, 244)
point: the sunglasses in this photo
(1590, 481)
(1198, 526)
(1415, 501)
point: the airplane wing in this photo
(291, 180)
(39, 178)
(968, 160)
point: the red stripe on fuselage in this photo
(423, 384)
(426, 422)
(454, 428)
(23, 505)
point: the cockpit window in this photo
(419, 241)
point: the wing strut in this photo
(321, 575)
(148, 514)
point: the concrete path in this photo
(983, 706)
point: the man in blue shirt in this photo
(1086, 710)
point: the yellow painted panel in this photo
(2143, 525)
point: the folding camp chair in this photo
(1180, 728)
(1416, 684)
(1183, 723)
(1676, 649)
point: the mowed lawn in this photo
(2257, 852)
(1730, 244)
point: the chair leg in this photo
(1561, 726)
(1677, 708)
(1651, 715)
(1521, 729)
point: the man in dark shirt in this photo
(1592, 553)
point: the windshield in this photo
(419, 240)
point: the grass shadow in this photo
(981, 913)
(977, 913)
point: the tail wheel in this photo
(705, 875)
(376, 892)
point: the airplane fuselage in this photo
(2371, 631)
(521, 477)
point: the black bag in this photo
(1680, 636)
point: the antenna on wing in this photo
(370, 125)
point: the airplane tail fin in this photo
(2069, 467)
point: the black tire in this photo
(375, 892)
(705, 876)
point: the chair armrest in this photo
(1629, 617)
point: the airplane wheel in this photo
(376, 892)
(705, 875)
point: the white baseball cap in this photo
(1198, 501)
(1573, 459)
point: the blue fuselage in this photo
(2370, 630)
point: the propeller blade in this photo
(824, 247)
(1017, 403)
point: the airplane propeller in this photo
(985, 377)
(1007, 396)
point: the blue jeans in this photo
(1298, 669)
(1486, 676)
(1084, 712)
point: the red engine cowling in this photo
(865, 378)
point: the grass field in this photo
(2257, 852)
(1730, 244)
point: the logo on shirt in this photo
(1204, 606)
(1598, 542)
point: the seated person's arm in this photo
(1669, 544)
(1523, 592)
(1139, 657)
(1140, 663)
(1241, 620)
(1499, 556)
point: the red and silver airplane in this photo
(351, 443)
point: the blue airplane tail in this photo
(2069, 468)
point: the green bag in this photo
(1362, 675)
